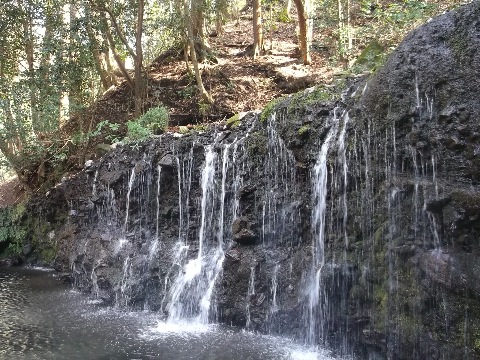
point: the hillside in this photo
(235, 81)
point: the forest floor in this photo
(235, 81)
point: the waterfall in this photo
(191, 293)
(189, 285)
(154, 246)
(249, 295)
(94, 184)
(279, 213)
(218, 253)
(127, 206)
(346, 222)
(316, 309)
(274, 285)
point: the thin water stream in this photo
(42, 318)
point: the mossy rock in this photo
(371, 58)
(257, 144)
(269, 109)
(303, 131)
(183, 130)
(233, 121)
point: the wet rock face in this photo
(382, 264)
(428, 89)
(425, 101)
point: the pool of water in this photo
(41, 318)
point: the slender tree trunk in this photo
(349, 28)
(341, 34)
(75, 98)
(182, 13)
(288, 8)
(197, 16)
(203, 92)
(116, 56)
(27, 24)
(107, 57)
(303, 22)
(46, 91)
(257, 29)
(105, 76)
(220, 12)
(186, 57)
(139, 60)
(12, 144)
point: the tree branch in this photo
(115, 26)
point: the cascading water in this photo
(155, 243)
(317, 304)
(250, 294)
(188, 282)
(127, 206)
(355, 231)
(190, 295)
(274, 306)
(278, 213)
(189, 286)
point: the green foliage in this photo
(12, 230)
(233, 121)
(188, 92)
(105, 128)
(154, 121)
(370, 58)
(269, 109)
(200, 127)
(136, 131)
(204, 108)
(301, 100)
(183, 130)
(283, 16)
(303, 130)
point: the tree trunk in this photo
(349, 29)
(46, 91)
(139, 61)
(116, 56)
(221, 7)
(303, 22)
(197, 20)
(341, 35)
(198, 76)
(288, 8)
(27, 24)
(257, 29)
(105, 76)
(75, 96)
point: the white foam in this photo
(40, 268)
(308, 354)
(177, 328)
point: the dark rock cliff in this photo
(351, 221)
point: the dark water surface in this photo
(41, 318)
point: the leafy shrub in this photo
(137, 132)
(154, 121)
